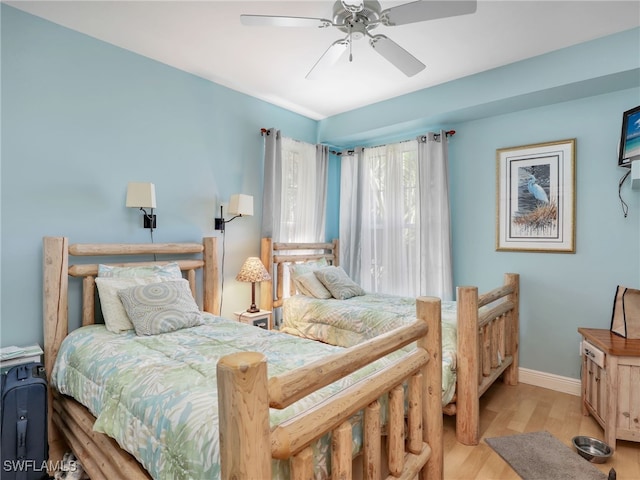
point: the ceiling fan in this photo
(357, 18)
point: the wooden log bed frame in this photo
(413, 437)
(483, 336)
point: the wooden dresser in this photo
(611, 383)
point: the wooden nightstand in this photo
(611, 383)
(260, 319)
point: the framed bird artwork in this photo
(536, 192)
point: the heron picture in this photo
(536, 194)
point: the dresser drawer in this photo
(593, 353)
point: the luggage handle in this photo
(21, 424)
(23, 372)
(21, 438)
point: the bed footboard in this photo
(488, 333)
(245, 394)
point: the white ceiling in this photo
(206, 39)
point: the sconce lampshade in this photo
(141, 195)
(240, 204)
(253, 271)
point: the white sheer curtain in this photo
(436, 276)
(295, 186)
(393, 206)
(303, 194)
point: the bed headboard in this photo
(57, 254)
(277, 256)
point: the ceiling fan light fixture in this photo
(357, 30)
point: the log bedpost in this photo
(468, 402)
(513, 338)
(210, 301)
(243, 416)
(429, 308)
(266, 287)
(55, 312)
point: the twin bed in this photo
(479, 331)
(214, 398)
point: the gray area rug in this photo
(541, 456)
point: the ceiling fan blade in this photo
(277, 21)
(329, 57)
(421, 11)
(403, 60)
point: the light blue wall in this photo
(81, 118)
(578, 92)
(560, 292)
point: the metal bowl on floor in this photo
(594, 450)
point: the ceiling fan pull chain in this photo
(350, 45)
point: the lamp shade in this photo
(141, 195)
(240, 204)
(253, 271)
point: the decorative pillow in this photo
(115, 316)
(309, 285)
(297, 269)
(171, 270)
(161, 307)
(338, 283)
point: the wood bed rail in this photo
(248, 444)
(290, 387)
(488, 336)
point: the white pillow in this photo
(309, 285)
(298, 269)
(115, 316)
(161, 307)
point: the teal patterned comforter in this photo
(157, 395)
(345, 323)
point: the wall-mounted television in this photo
(630, 138)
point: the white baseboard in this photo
(550, 381)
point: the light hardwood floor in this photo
(508, 410)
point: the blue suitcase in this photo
(23, 423)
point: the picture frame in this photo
(536, 196)
(630, 138)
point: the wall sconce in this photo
(239, 205)
(253, 271)
(143, 195)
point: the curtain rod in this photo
(448, 133)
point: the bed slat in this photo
(302, 465)
(341, 446)
(395, 438)
(414, 417)
(372, 443)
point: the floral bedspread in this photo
(349, 322)
(157, 395)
